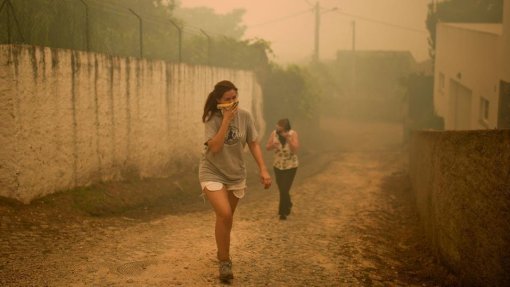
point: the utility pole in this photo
(353, 36)
(317, 9)
(354, 61)
(317, 29)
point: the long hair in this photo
(285, 124)
(212, 100)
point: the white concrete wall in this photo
(70, 119)
(472, 58)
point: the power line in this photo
(311, 5)
(110, 8)
(381, 22)
(198, 31)
(342, 13)
(281, 18)
(308, 2)
(124, 10)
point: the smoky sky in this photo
(290, 24)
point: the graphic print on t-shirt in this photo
(232, 136)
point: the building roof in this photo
(490, 28)
(376, 54)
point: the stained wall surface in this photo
(505, 63)
(70, 118)
(461, 181)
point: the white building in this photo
(472, 74)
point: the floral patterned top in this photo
(284, 158)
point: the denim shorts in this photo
(237, 189)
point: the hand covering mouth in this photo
(227, 105)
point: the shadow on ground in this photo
(142, 199)
(153, 198)
(395, 225)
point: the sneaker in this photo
(226, 270)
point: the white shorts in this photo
(237, 189)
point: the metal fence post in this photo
(179, 31)
(141, 31)
(208, 46)
(87, 29)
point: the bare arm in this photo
(215, 144)
(293, 141)
(256, 152)
(271, 144)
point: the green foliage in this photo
(228, 25)
(42, 22)
(364, 85)
(114, 27)
(461, 11)
(246, 54)
(109, 28)
(289, 92)
(419, 111)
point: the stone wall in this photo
(70, 118)
(461, 181)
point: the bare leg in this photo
(224, 204)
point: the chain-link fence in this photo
(105, 27)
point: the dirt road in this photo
(352, 224)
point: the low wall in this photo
(70, 118)
(461, 181)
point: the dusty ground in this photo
(353, 224)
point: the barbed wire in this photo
(157, 33)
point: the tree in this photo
(43, 22)
(461, 11)
(290, 92)
(228, 25)
(116, 30)
(111, 26)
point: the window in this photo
(484, 110)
